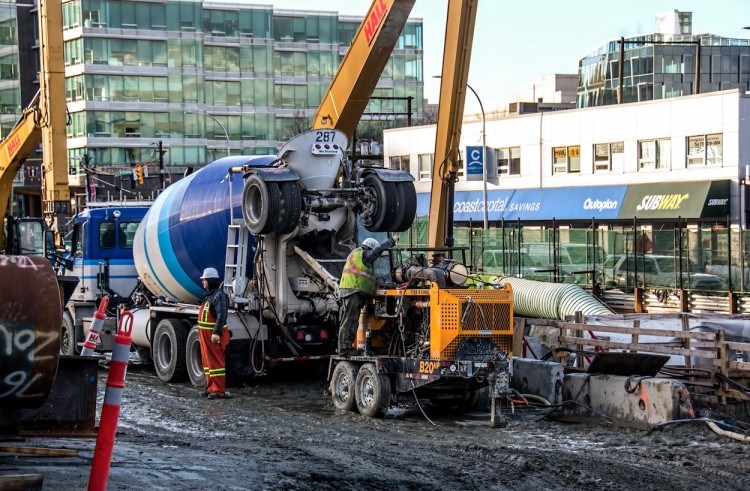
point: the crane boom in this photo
(359, 72)
(459, 34)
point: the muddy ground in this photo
(281, 432)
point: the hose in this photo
(552, 300)
(731, 434)
(536, 398)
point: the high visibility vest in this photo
(357, 276)
(205, 319)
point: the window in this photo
(400, 163)
(605, 154)
(508, 161)
(127, 234)
(107, 235)
(705, 150)
(425, 166)
(654, 154)
(566, 160)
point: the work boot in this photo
(218, 395)
(203, 393)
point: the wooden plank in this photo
(739, 365)
(732, 393)
(685, 322)
(641, 347)
(738, 346)
(634, 335)
(708, 336)
(52, 452)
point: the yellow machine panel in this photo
(491, 316)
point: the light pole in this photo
(226, 135)
(484, 156)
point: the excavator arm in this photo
(14, 151)
(359, 72)
(44, 121)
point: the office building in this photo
(670, 62)
(193, 75)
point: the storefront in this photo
(660, 201)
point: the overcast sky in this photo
(517, 41)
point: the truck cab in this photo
(101, 252)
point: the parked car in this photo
(513, 263)
(654, 270)
(573, 259)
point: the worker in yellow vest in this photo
(356, 288)
(214, 334)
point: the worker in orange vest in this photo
(214, 334)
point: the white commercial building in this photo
(660, 160)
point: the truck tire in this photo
(68, 345)
(261, 204)
(168, 350)
(407, 206)
(477, 400)
(383, 210)
(193, 360)
(372, 392)
(343, 382)
(291, 206)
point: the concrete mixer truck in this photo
(280, 227)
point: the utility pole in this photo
(160, 150)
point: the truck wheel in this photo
(383, 209)
(193, 359)
(343, 382)
(168, 350)
(477, 400)
(407, 206)
(68, 345)
(261, 203)
(291, 206)
(372, 391)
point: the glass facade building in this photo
(194, 75)
(659, 66)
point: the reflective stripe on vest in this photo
(205, 319)
(356, 275)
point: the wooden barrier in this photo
(584, 340)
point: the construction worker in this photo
(214, 334)
(356, 288)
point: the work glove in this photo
(394, 239)
(215, 338)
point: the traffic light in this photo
(139, 173)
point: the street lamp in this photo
(484, 155)
(226, 135)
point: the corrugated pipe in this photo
(543, 300)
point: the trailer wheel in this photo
(372, 391)
(68, 345)
(168, 350)
(383, 210)
(193, 359)
(261, 203)
(291, 206)
(407, 206)
(343, 382)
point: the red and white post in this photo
(92, 339)
(105, 439)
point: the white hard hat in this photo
(210, 273)
(370, 243)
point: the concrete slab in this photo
(540, 378)
(638, 402)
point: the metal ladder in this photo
(235, 264)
